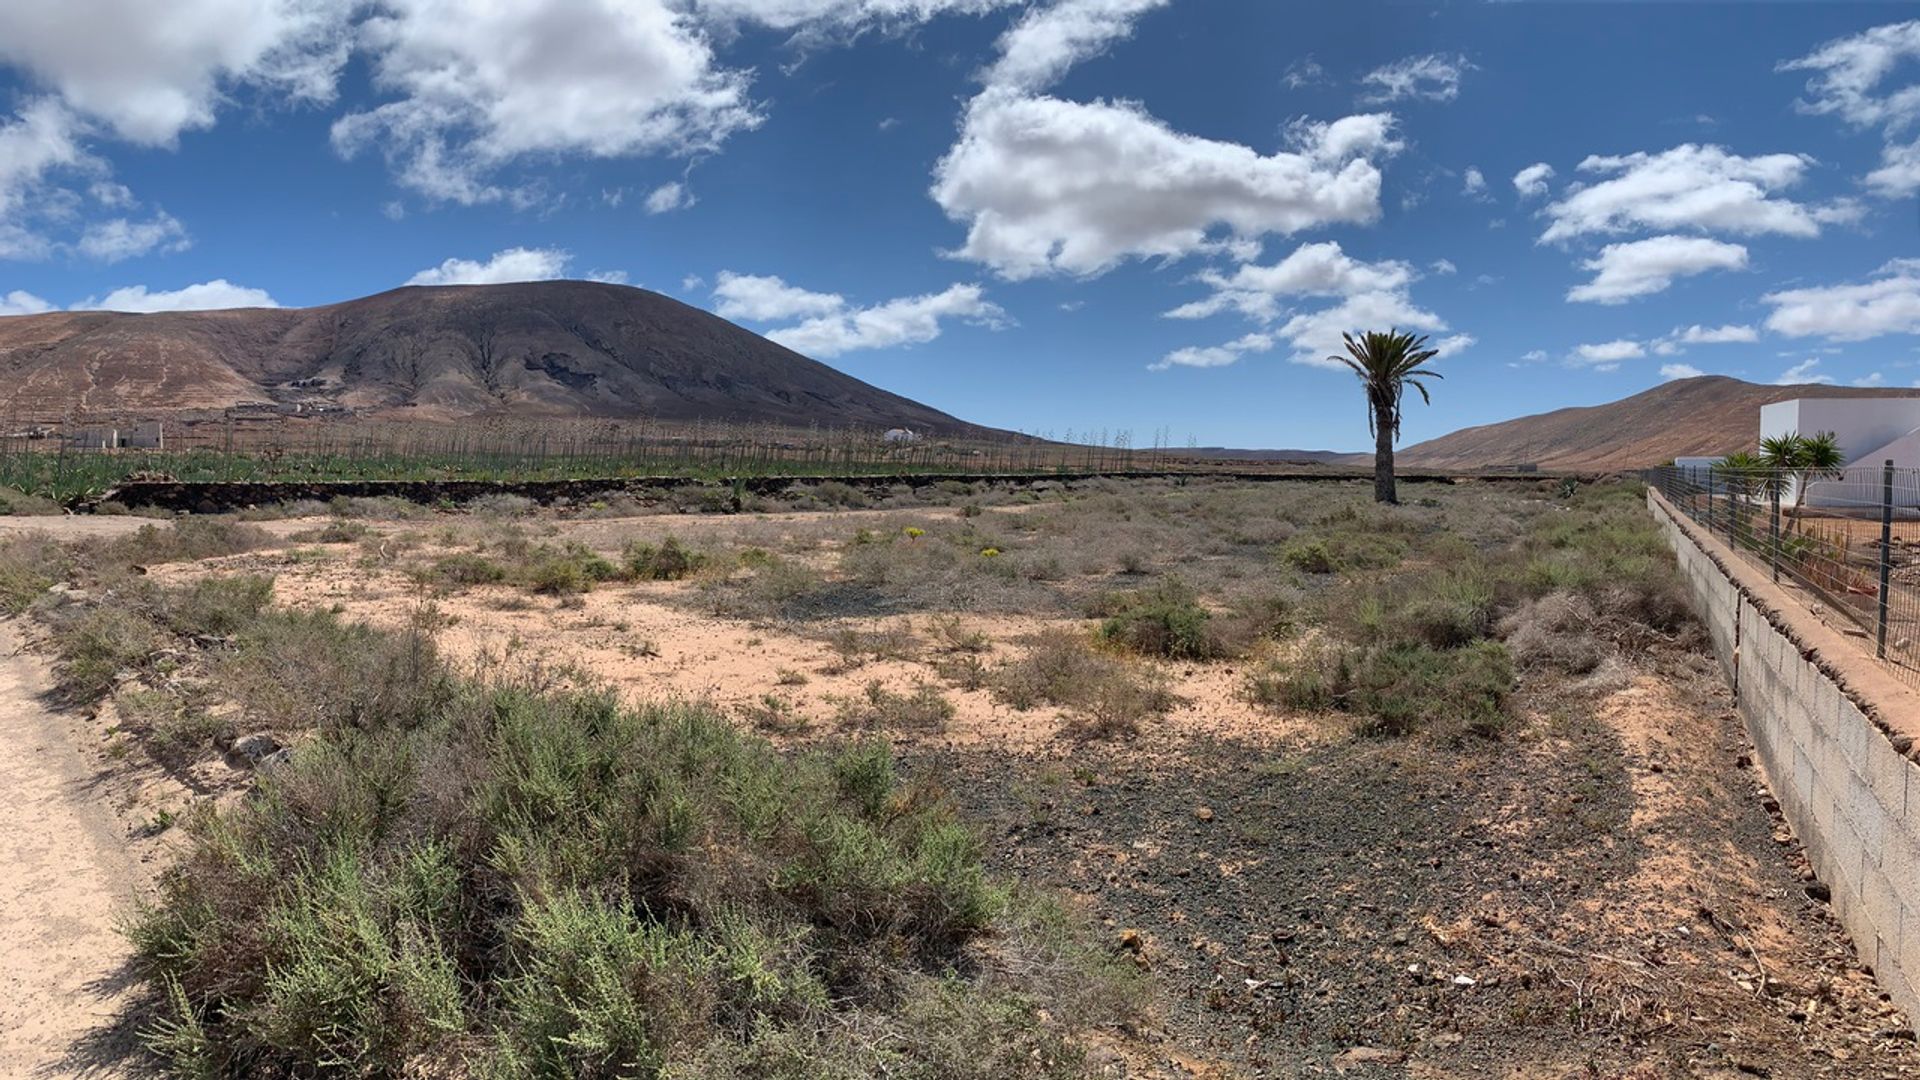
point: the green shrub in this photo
(99, 644)
(557, 886)
(465, 569)
(297, 670)
(1166, 620)
(30, 564)
(670, 561)
(1397, 689)
(926, 709)
(567, 571)
(219, 606)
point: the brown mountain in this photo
(1711, 414)
(550, 348)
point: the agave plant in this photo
(1387, 363)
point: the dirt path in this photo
(67, 875)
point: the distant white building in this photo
(1869, 430)
(900, 435)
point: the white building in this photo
(1869, 431)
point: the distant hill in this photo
(538, 349)
(1708, 415)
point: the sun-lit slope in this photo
(1712, 414)
(554, 348)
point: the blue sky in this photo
(1063, 215)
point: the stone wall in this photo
(1834, 734)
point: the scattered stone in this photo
(1820, 891)
(1367, 1055)
(255, 748)
(1203, 813)
(279, 759)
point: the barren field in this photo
(1447, 790)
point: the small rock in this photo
(1132, 941)
(1818, 890)
(1203, 813)
(279, 759)
(1367, 1055)
(254, 748)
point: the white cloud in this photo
(1609, 352)
(1450, 348)
(1303, 73)
(1050, 186)
(910, 320)
(1443, 266)
(1644, 267)
(21, 302)
(814, 18)
(767, 298)
(1435, 77)
(1680, 371)
(1849, 74)
(212, 295)
(1802, 372)
(149, 77)
(513, 264)
(608, 277)
(1321, 269)
(1690, 187)
(477, 87)
(1047, 41)
(1874, 379)
(1213, 356)
(1316, 335)
(43, 138)
(1849, 71)
(1475, 185)
(1718, 335)
(1887, 304)
(117, 239)
(1531, 182)
(669, 197)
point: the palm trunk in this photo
(1383, 490)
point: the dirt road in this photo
(65, 875)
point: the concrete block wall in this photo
(1831, 739)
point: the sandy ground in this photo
(69, 874)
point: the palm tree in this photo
(1802, 459)
(1387, 363)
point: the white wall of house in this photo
(1860, 425)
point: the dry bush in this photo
(925, 710)
(1557, 631)
(670, 560)
(30, 564)
(1103, 694)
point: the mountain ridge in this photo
(447, 352)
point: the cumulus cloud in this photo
(1718, 335)
(1047, 186)
(1644, 267)
(1450, 347)
(1888, 303)
(1801, 373)
(1531, 182)
(910, 320)
(21, 302)
(815, 18)
(1609, 352)
(150, 78)
(1047, 41)
(212, 295)
(1851, 77)
(599, 78)
(1213, 356)
(117, 239)
(513, 264)
(669, 197)
(1690, 187)
(1315, 335)
(1321, 269)
(767, 298)
(1680, 371)
(1474, 185)
(1434, 77)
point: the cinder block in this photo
(1900, 861)
(1869, 820)
(1855, 735)
(1880, 905)
(1887, 774)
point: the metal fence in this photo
(1848, 540)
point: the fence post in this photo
(1886, 556)
(1773, 532)
(1709, 487)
